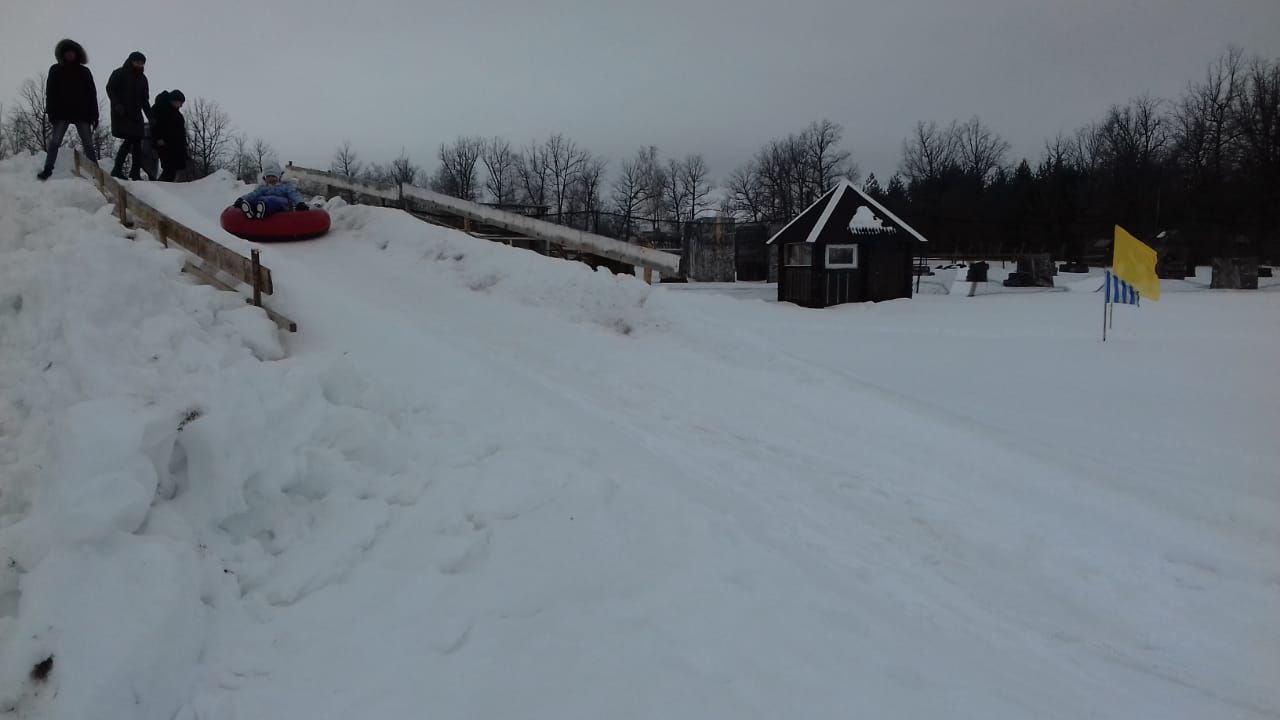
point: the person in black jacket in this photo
(169, 133)
(130, 110)
(71, 98)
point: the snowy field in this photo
(480, 483)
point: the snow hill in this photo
(480, 483)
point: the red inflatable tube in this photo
(288, 225)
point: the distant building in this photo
(844, 248)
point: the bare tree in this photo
(1257, 116)
(630, 189)
(1205, 130)
(981, 152)
(930, 153)
(456, 175)
(654, 178)
(676, 200)
(377, 175)
(746, 196)
(29, 125)
(1135, 135)
(403, 171)
(1087, 148)
(585, 194)
(241, 158)
(209, 137)
(500, 168)
(1057, 153)
(263, 155)
(824, 159)
(345, 162)
(531, 173)
(4, 135)
(104, 143)
(564, 162)
(694, 185)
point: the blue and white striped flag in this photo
(1119, 291)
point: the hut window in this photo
(842, 256)
(799, 255)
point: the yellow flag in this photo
(1135, 263)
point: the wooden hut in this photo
(846, 247)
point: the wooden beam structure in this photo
(216, 258)
(494, 224)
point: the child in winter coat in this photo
(273, 195)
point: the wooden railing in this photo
(218, 265)
(476, 214)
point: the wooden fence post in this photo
(77, 158)
(162, 228)
(466, 225)
(122, 205)
(257, 279)
(648, 276)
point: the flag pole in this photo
(1106, 300)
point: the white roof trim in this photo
(833, 199)
(826, 212)
(800, 215)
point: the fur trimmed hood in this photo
(66, 44)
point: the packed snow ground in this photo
(482, 483)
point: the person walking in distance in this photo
(130, 108)
(169, 133)
(71, 98)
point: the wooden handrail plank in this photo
(523, 225)
(217, 257)
(210, 279)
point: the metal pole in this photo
(1104, 321)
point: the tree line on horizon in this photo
(1204, 166)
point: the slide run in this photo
(479, 482)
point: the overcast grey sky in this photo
(713, 76)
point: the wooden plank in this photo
(257, 278)
(209, 278)
(328, 181)
(522, 225)
(214, 255)
(559, 234)
(218, 257)
(206, 277)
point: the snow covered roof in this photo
(832, 199)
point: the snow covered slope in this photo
(485, 483)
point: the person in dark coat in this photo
(169, 133)
(130, 110)
(71, 98)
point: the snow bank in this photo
(146, 480)
(494, 484)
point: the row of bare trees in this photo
(562, 180)
(1206, 164)
(1205, 167)
(786, 176)
(213, 141)
(25, 128)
